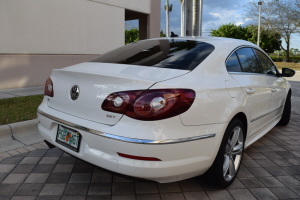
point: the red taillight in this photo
(48, 90)
(119, 101)
(151, 104)
(138, 157)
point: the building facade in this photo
(38, 36)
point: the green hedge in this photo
(294, 59)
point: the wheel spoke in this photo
(227, 148)
(226, 165)
(238, 149)
(231, 167)
(235, 136)
(228, 145)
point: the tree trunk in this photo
(288, 49)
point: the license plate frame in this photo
(75, 136)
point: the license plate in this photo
(68, 138)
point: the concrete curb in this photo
(20, 134)
(19, 92)
(5, 133)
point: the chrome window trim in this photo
(276, 75)
(257, 74)
(239, 47)
(247, 73)
(125, 139)
(257, 118)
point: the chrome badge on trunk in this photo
(74, 92)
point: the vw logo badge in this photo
(74, 92)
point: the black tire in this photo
(217, 175)
(286, 114)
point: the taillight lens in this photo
(151, 104)
(48, 90)
(119, 101)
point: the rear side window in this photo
(233, 64)
(164, 53)
(248, 60)
(267, 66)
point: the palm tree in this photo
(168, 9)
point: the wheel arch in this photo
(290, 92)
(241, 116)
(214, 173)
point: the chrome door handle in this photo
(250, 91)
(273, 89)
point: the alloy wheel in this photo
(233, 153)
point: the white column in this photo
(167, 8)
(183, 21)
(189, 17)
(197, 17)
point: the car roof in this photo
(216, 41)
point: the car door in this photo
(248, 73)
(277, 84)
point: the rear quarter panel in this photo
(215, 102)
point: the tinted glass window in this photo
(248, 61)
(233, 64)
(267, 66)
(174, 54)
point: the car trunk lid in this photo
(96, 81)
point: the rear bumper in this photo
(179, 160)
(125, 139)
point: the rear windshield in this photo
(164, 53)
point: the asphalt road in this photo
(295, 95)
(295, 88)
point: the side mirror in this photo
(286, 72)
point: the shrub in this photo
(276, 59)
(295, 59)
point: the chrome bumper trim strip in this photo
(125, 139)
(257, 118)
(140, 141)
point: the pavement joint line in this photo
(11, 132)
(19, 134)
(12, 135)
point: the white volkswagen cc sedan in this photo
(167, 109)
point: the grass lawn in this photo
(19, 108)
(294, 66)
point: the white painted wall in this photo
(60, 26)
(37, 36)
(22, 70)
(135, 5)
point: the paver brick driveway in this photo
(270, 170)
